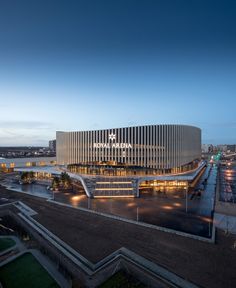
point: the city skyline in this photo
(94, 65)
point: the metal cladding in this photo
(152, 146)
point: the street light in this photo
(186, 198)
(137, 219)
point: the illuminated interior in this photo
(118, 169)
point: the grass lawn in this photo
(120, 280)
(6, 243)
(27, 272)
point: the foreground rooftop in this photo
(95, 237)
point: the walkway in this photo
(225, 222)
(206, 186)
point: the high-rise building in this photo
(52, 145)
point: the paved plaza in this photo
(169, 210)
(95, 237)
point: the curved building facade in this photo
(159, 148)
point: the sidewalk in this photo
(225, 222)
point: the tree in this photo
(65, 180)
(24, 176)
(27, 177)
(31, 175)
(55, 182)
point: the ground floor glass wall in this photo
(120, 170)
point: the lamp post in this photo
(186, 198)
(89, 203)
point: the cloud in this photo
(10, 133)
(228, 124)
(23, 141)
(94, 126)
(17, 133)
(25, 125)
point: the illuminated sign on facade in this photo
(115, 145)
(112, 136)
(112, 145)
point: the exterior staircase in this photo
(115, 187)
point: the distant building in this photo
(7, 164)
(207, 148)
(222, 148)
(231, 148)
(52, 145)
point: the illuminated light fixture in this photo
(206, 219)
(131, 204)
(177, 204)
(115, 189)
(112, 136)
(113, 182)
(167, 207)
(77, 197)
(115, 196)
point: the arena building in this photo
(153, 149)
(116, 162)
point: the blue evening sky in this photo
(78, 65)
